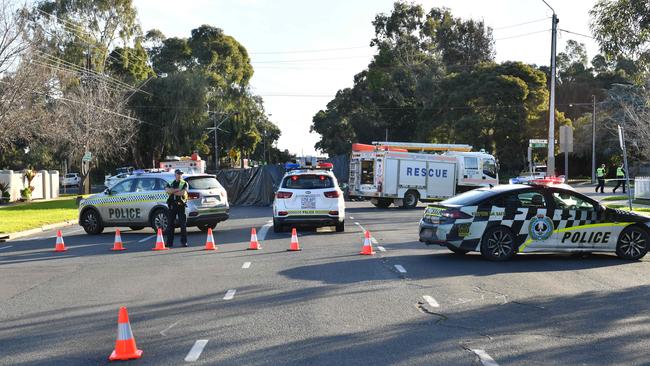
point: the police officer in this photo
(620, 178)
(177, 191)
(600, 174)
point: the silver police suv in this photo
(140, 200)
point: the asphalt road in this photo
(326, 305)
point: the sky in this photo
(304, 51)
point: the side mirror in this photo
(107, 191)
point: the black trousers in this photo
(601, 185)
(620, 182)
(174, 212)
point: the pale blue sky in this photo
(295, 85)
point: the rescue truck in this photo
(404, 173)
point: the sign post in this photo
(85, 171)
(566, 146)
(621, 141)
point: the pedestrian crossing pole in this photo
(621, 141)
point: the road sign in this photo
(620, 138)
(566, 139)
(534, 143)
(88, 156)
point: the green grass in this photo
(615, 198)
(32, 215)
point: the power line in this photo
(520, 24)
(577, 34)
(522, 35)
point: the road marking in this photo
(196, 350)
(431, 301)
(230, 294)
(351, 218)
(360, 227)
(246, 265)
(147, 238)
(374, 241)
(485, 359)
(400, 269)
(168, 328)
(264, 230)
(8, 246)
(381, 249)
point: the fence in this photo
(642, 187)
(45, 183)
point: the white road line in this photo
(230, 294)
(147, 238)
(431, 301)
(196, 350)
(168, 328)
(246, 265)
(400, 269)
(8, 246)
(351, 218)
(381, 249)
(264, 230)
(374, 241)
(485, 359)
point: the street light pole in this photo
(216, 136)
(550, 163)
(593, 139)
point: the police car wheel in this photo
(457, 250)
(340, 227)
(91, 222)
(205, 227)
(277, 228)
(498, 244)
(632, 243)
(410, 199)
(159, 219)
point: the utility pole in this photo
(593, 139)
(216, 136)
(550, 163)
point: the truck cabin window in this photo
(490, 168)
(368, 172)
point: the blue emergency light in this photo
(291, 166)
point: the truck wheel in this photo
(410, 199)
(383, 202)
(159, 220)
(92, 222)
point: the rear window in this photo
(70, 175)
(470, 198)
(308, 181)
(203, 183)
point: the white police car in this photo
(543, 216)
(309, 197)
(140, 200)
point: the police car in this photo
(309, 197)
(542, 216)
(140, 200)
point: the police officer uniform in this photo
(176, 205)
(600, 174)
(620, 179)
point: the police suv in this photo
(309, 197)
(542, 216)
(140, 200)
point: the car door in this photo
(574, 217)
(114, 210)
(528, 211)
(143, 199)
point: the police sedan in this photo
(140, 200)
(309, 197)
(542, 216)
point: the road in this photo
(326, 305)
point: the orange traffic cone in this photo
(118, 241)
(125, 348)
(60, 245)
(367, 245)
(255, 245)
(294, 247)
(160, 242)
(209, 241)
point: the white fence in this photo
(642, 187)
(45, 183)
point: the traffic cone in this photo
(125, 348)
(60, 245)
(255, 245)
(160, 242)
(209, 241)
(294, 247)
(118, 241)
(367, 245)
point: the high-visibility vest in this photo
(600, 172)
(619, 172)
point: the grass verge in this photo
(36, 214)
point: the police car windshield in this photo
(203, 183)
(469, 198)
(308, 181)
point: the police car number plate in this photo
(210, 200)
(307, 202)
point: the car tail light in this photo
(332, 194)
(454, 214)
(193, 195)
(282, 213)
(334, 213)
(283, 195)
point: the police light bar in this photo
(546, 181)
(291, 166)
(325, 166)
